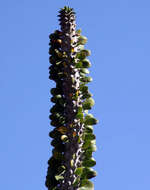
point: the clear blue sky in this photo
(118, 34)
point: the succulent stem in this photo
(73, 139)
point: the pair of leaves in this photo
(89, 162)
(57, 155)
(55, 91)
(54, 35)
(85, 172)
(84, 70)
(89, 142)
(88, 129)
(54, 133)
(55, 116)
(57, 108)
(57, 123)
(83, 54)
(86, 79)
(90, 120)
(82, 40)
(80, 114)
(58, 99)
(85, 63)
(88, 103)
(86, 185)
(51, 181)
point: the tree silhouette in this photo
(69, 167)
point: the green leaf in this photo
(57, 118)
(84, 89)
(54, 133)
(78, 31)
(82, 40)
(55, 91)
(55, 188)
(58, 99)
(86, 52)
(77, 181)
(80, 47)
(52, 60)
(86, 185)
(88, 143)
(59, 122)
(53, 163)
(88, 153)
(55, 98)
(59, 54)
(78, 65)
(52, 36)
(50, 182)
(61, 169)
(56, 154)
(88, 173)
(90, 120)
(89, 146)
(79, 139)
(79, 171)
(88, 103)
(80, 116)
(89, 136)
(82, 75)
(87, 95)
(58, 63)
(51, 51)
(88, 128)
(86, 63)
(80, 109)
(57, 108)
(86, 79)
(60, 74)
(86, 112)
(54, 116)
(58, 177)
(93, 147)
(89, 162)
(55, 142)
(84, 70)
(83, 54)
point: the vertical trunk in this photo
(71, 86)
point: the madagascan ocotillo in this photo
(73, 141)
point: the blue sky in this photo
(118, 34)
